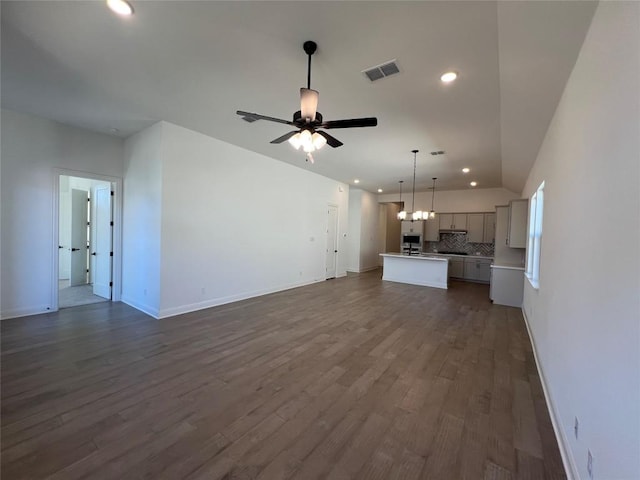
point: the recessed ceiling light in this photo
(473, 184)
(449, 77)
(379, 190)
(121, 7)
(356, 181)
(465, 170)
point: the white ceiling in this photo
(195, 63)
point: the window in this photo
(534, 240)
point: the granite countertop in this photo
(421, 256)
(457, 255)
(508, 265)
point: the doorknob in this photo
(94, 254)
(335, 251)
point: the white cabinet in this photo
(445, 221)
(502, 252)
(517, 229)
(489, 230)
(480, 227)
(407, 226)
(507, 285)
(475, 227)
(453, 221)
(477, 269)
(456, 267)
(432, 230)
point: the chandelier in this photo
(413, 215)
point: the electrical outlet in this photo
(590, 464)
(575, 427)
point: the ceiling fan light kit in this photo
(121, 7)
(308, 120)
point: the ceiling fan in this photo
(308, 120)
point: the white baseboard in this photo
(25, 312)
(214, 302)
(153, 312)
(368, 269)
(363, 270)
(568, 461)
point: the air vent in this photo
(385, 70)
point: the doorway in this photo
(85, 241)
(389, 233)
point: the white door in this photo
(79, 208)
(64, 237)
(332, 240)
(102, 242)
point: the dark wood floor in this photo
(350, 378)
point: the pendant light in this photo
(432, 213)
(402, 214)
(415, 215)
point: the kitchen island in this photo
(424, 269)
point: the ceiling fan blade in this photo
(351, 123)
(252, 117)
(284, 137)
(331, 141)
(308, 103)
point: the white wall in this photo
(215, 223)
(450, 201)
(369, 235)
(142, 205)
(355, 220)
(32, 148)
(363, 231)
(585, 318)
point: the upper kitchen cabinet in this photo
(453, 221)
(445, 220)
(407, 226)
(517, 227)
(475, 227)
(489, 230)
(432, 230)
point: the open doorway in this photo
(388, 228)
(85, 239)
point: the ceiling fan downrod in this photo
(309, 48)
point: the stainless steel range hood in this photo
(461, 231)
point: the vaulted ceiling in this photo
(195, 63)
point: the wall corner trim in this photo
(152, 312)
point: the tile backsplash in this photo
(457, 242)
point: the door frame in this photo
(116, 205)
(337, 241)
